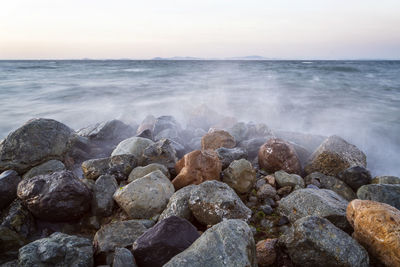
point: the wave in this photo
(341, 69)
(136, 70)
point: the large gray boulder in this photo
(283, 179)
(134, 146)
(35, 142)
(145, 197)
(228, 243)
(240, 175)
(178, 204)
(355, 177)
(112, 131)
(59, 196)
(228, 155)
(213, 201)
(314, 241)
(139, 172)
(161, 152)
(384, 193)
(57, 250)
(123, 258)
(9, 181)
(103, 191)
(45, 168)
(315, 202)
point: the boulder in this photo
(9, 181)
(242, 131)
(113, 131)
(217, 139)
(119, 166)
(283, 179)
(355, 177)
(37, 141)
(161, 152)
(139, 172)
(384, 193)
(134, 146)
(178, 204)
(57, 250)
(166, 239)
(196, 167)
(377, 228)
(145, 197)
(266, 252)
(147, 124)
(116, 235)
(228, 155)
(332, 183)
(123, 258)
(266, 191)
(252, 146)
(45, 168)
(103, 191)
(213, 201)
(314, 241)
(59, 196)
(229, 243)
(315, 202)
(335, 155)
(385, 180)
(165, 123)
(276, 155)
(240, 175)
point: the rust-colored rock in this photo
(266, 253)
(377, 228)
(197, 167)
(276, 155)
(217, 139)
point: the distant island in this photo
(227, 58)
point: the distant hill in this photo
(228, 58)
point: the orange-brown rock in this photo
(377, 228)
(217, 139)
(276, 155)
(197, 167)
(266, 253)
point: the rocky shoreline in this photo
(216, 192)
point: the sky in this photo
(285, 29)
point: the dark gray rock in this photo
(45, 168)
(145, 134)
(332, 183)
(178, 204)
(57, 250)
(166, 239)
(123, 258)
(228, 155)
(315, 202)
(385, 193)
(355, 177)
(266, 191)
(252, 146)
(59, 196)
(9, 181)
(229, 243)
(113, 131)
(314, 241)
(161, 152)
(213, 201)
(37, 141)
(386, 180)
(104, 189)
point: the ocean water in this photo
(358, 100)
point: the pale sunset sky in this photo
(287, 29)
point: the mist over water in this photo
(358, 100)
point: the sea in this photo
(357, 100)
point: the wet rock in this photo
(57, 250)
(139, 172)
(266, 209)
(315, 202)
(284, 191)
(266, 191)
(120, 166)
(355, 177)
(376, 227)
(259, 183)
(386, 180)
(335, 155)
(166, 239)
(37, 141)
(134, 146)
(113, 131)
(8, 187)
(228, 155)
(59, 196)
(178, 204)
(240, 175)
(145, 197)
(266, 253)
(116, 235)
(45, 168)
(252, 146)
(197, 167)
(147, 124)
(165, 123)
(161, 152)
(276, 155)
(145, 134)
(329, 182)
(213, 201)
(216, 139)
(123, 258)
(314, 241)
(384, 193)
(293, 180)
(104, 189)
(229, 243)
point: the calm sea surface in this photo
(358, 100)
